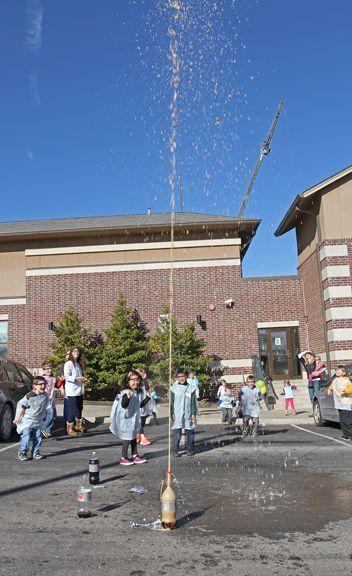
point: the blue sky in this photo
(85, 118)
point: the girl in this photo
(74, 391)
(288, 393)
(126, 418)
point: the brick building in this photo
(49, 266)
(322, 218)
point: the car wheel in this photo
(6, 426)
(318, 419)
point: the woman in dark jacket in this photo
(307, 359)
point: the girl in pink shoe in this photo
(125, 417)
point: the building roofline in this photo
(245, 228)
(289, 220)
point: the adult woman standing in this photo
(307, 359)
(74, 391)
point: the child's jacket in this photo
(35, 411)
(250, 401)
(341, 388)
(183, 405)
(226, 401)
(125, 422)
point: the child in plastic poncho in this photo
(250, 397)
(183, 411)
(341, 388)
(126, 417)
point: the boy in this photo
(51, 408)
(341, 388)
(183, 411)
(30, 415)
(226, 402)
(250, 402)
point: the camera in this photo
(229, 303)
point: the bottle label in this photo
(94, 467)
(168, 506)
(84, 495)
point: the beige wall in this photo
(131, 256)
(307, 237)
(336, 213)
(13, 278)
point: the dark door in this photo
(280, 353)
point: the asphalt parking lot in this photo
(276, 504)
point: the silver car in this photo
(15, 382)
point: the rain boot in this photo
(79, 427)
(70, 429)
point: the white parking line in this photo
(346, 444)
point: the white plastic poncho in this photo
(125, 422)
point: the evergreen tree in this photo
(125, 345)
(187, 350)
(69, 334)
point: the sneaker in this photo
(138, 438)
(176, 454)
(145, 441)
(37, 456)
(190, 452)
(45, 433)
(126, 462)
(22, 456)
(343, 437)
(138, 460)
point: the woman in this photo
(74, 391)
(307, 359)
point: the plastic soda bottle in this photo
(168, 505)
(84, 498)
(94, 469)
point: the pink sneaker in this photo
(126, 462)
(138, 438)
(138, 460)
(145, 441)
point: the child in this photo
(183, 411)
(288, 393)
(226, 405)
(51, 408)
(250, 402)
(221, 390)
(341, 388)
(153, 405)
(192, 379)
(126, 417)
(30, 415)
(144, 411)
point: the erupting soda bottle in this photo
(84, 498)
(168, 504)
(94, 469)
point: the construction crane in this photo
(264, 151)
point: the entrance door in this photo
(280, 353)
(278, 348)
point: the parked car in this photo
(15, 382)
(323, 405)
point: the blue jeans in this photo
(49, 419)
(177, 437)
(27, 435)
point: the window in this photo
(3, 338)
(12, 373)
